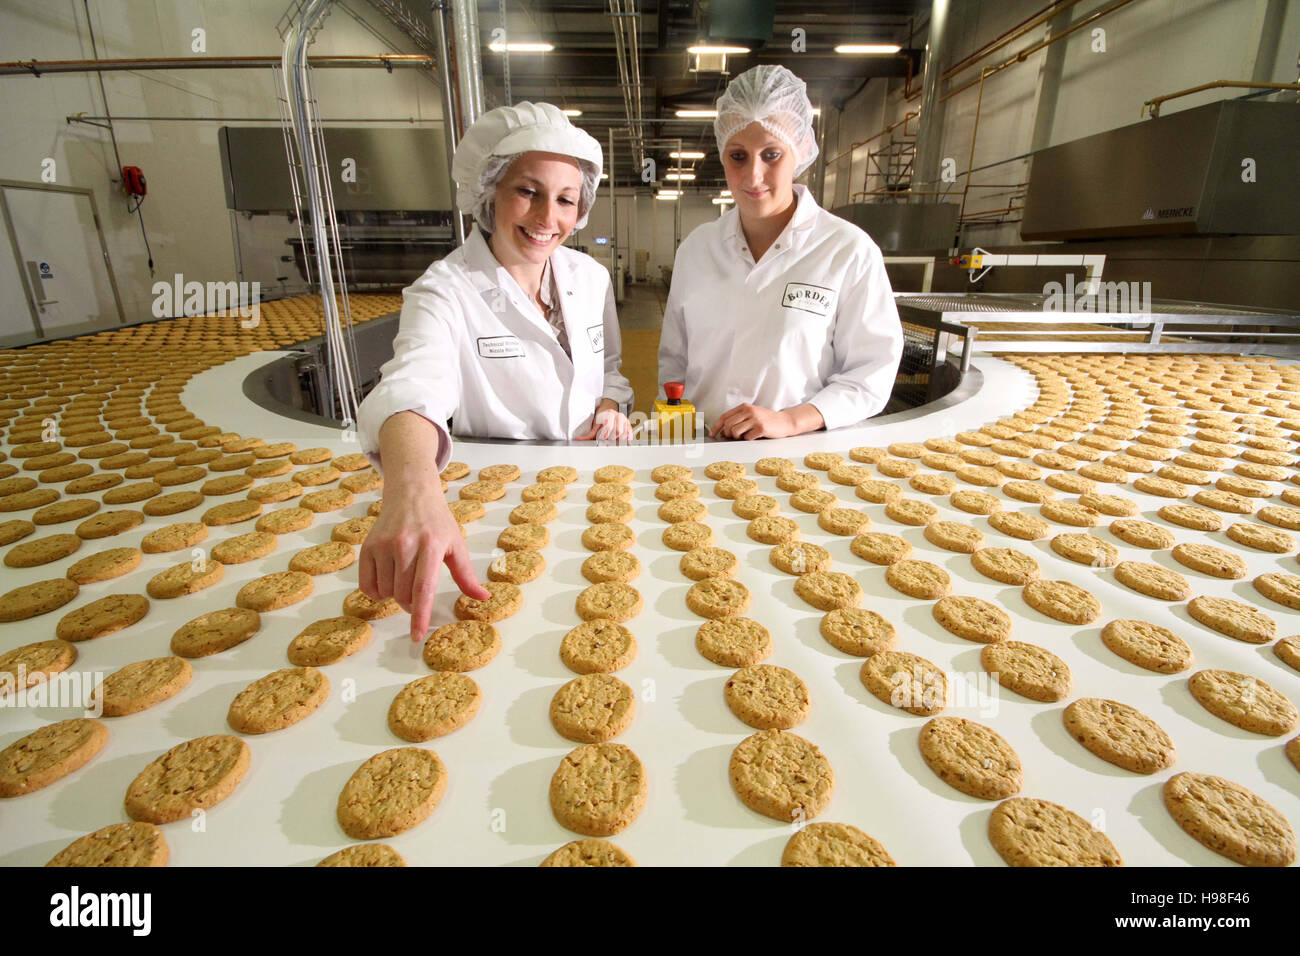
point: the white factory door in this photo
(61, 261)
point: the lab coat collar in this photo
(805, 213)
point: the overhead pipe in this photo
(438, 10)
(42, 67)
(929, 133)
(469, 65)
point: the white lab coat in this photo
(473, 347)
(813, 321)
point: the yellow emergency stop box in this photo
(675, 415)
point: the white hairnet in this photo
(776, 99)
(499, 136)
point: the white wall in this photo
(1152, 47)
(185, 212)
(650, 226)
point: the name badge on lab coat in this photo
(808, 298)
(500, 346)
(597, 335)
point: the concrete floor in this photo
(640, 317)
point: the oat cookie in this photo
(858, 632)
(1233, 618)
(1279, 588)
(598, 789)
(1153, 580)
(391, 792)
(1006, 565)
(609, 537)
(49, 754)
(918, 579)
(975, 502)
(589, 852)
(1260, 538)
(1027, 669)
(1147, 645)
(906, 681)
(972, 619)
(107, 615)
(1142, 534)
(565, 474)
(773, 466)
(287, 520)
(781, 775)
(834, 844)
(1029, 491)
(504, 600)
(700, 563)
(194, 775)
(524, 537)
(593, 708)
(273, 591)
(767, 697)
(1018, 524)
(733, 641)
(800, 558)
(40, 597)
(1210, 560)
(214, 632)
(323, 558)
(907, 511)
(717, 598)
(1119, 734)
(117, 845)
(1062, 601)
(1029, 832)
(1244, 701)
(954, 536)
(878, 492)
(358, 604)
(812, 500)
(462, 646)
(828, 590)
(879, 547)
(682, 509)
(1287, 651)
(1230, 820)
(598, 647)
(609, 566)
(602, 512)
(353, 531)
(327, 641)
(434, 706)
(611, 600)
(109, 523)
(687, 536)
(971, 758)
(773, 529)
(1086, 549)
(664, 473)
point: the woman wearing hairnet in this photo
(512, 335)
(780, 319)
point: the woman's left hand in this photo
(608, 424)
(753, 421)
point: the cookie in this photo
(972, 619)
(278, 700)
(244, 547)
(602, 512)
(612, 473)
(767, 697)
(907, 511)
(465, 511)
(116, 845)
(1244, 701)
(954, 536)
(328, 641)
(1005, 565)
(609, 600)
(391, 792)
(1147, 645)
(170, 504)
(598, 789)
(733, 642)
(323, 558)
(906, 681)
(504, 600)
(609, 537)
(214, 632)
(687, 536)
(715, 598)
(971, 758)
(592, 708)
(1279, 588)
(434, 706)
(141, 685)
(1153, 580)
(482, 491)
(700, 563)
(834, 844)
(930, 484)
(598, 647)
(49, 754)
(30, 664)
(11, 531)
(781, 775)
(675, 489)
(273, 591)
(589, 852)
(800, 558)
(773, 529)
(524, 537)
(286, 520)
(664, 473)
(772, 466)
(918, 579)
(1028, 670)
(194, 775)
(40, 597)
(359, 604)
(879, 547)
(1119, 734)
(1142, 534)
(975, 502)
(462, 646)
(1261, 538)
(829, 590)
(1230, 820)
(1017, 524)
(858, 632)
(1028, 491)
(107, 615)
(877, 492)
(732, 488)
(1233, 618)
(1287, 651)
(353, 531)
(1210, 560)
(1288, 518)
(607, 566)
(682, 509)
(812, 500)
(1086, 549)
(185, 578)
(1062, 601)
(1029, 832)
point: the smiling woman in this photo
(513, 335)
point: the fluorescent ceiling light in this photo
(817, 111)
(722, 201)
(879, 49)
(668, 194)
(697, 114)
(680, 177)
(573, 112)
(725, 192)
(686, 154)
(521, 47)
(604, 175)
(704, 49)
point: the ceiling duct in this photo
(743, 22)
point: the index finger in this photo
(424, 587)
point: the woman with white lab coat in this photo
(780, 319)
(510, 336)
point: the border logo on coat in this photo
(816, 299)
(597, 335)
